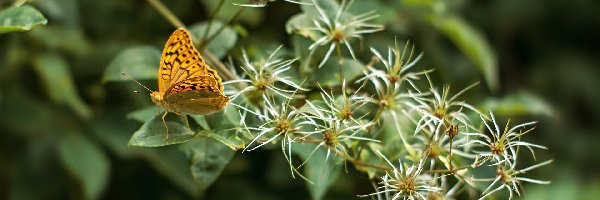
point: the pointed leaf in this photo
(20, 18)
(144, 114)
(54, 72)
(207, 159)
(321, 172)
(86, 162)
(473, 44)
(153, 132)
(229, 138)
(521, 103)
(167, 161)
(223, 127)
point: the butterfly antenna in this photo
(127, 75)
(139, 92)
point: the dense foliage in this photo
(348, 99)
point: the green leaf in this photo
(227, 117)
(140, 63)
(54, 73)
(153, 132)
(207, 160)
(521, 103)
(173, 164)
(144, 114)
(223, 42)
(201, 120)
(20, 18)
(392, 145)
(472, 44)
(230, 138)
(86, 162)
(167, 161)
(223, 127)
(321, 172)
(329, 74)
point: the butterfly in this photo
(186, 84)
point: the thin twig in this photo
(210, 23)
(436, 171)
(220, 67)
(450, 153)
(165, 12)
(358, 163)
(233, 18)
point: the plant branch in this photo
(436, 171)
(165, 12)
(358, 163)
(233, 18)
(210, 20)
(223, 70)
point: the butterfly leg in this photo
(166, 128)
(187, 122)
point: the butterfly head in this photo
(157, 97)
(159, 100)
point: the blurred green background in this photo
(64, 132)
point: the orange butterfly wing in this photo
(199, 95)
(185, 83)
(180, 60)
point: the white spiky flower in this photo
(339, 29)
(281, 123)
(333, 133)
(406, 182)
(265, 78)
(441, 110)
(509, 178)
(502, 145)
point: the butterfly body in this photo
(186, 84)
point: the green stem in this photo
(210, 23)
(223, 70)
(340, 62)
(450, 154)
(165, 12)
(233, 18)
(359, 164)
(437, 171)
